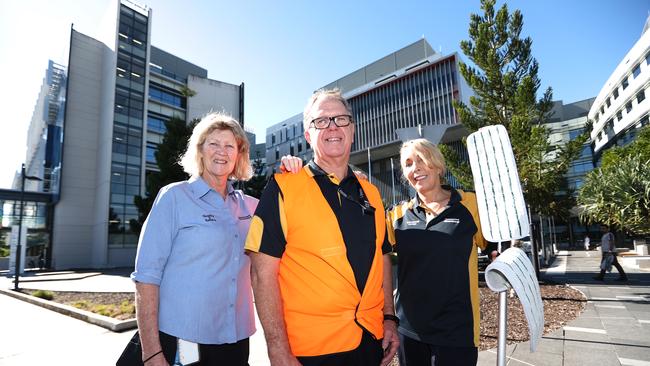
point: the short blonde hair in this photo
(427, 151)
(323, 94)
(191, 160)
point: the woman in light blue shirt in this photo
(192, 276)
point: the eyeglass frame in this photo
(330, 120)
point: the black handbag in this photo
(132, 354)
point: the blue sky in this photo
(283, 50)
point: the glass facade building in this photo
(126, 157)
(403, 95)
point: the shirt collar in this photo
(200, 187)
(455, 197)
(315, 170)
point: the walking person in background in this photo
(608, 250)
(192, 277)
(587, 240)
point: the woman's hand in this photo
(290, 164)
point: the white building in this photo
(622, 107)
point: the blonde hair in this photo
(323, 94)
(191, 160)
(427, 151)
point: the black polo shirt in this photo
(434, 292)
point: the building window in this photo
(636, 71)
(291, 151)
(619, 115)
(640, 96)
(644, 121)
(300, 145)
(277, 153)
(647, 58)
(608, 103)
(151, 152)
(624, 84)
(602, 109)
(273, 139)
(628, 107)
(615, 93)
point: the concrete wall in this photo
(211, 96)
(75, 216)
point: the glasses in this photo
(322, 123)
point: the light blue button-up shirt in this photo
(192, 247)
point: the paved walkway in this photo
(613, 330)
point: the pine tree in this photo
(169, 152)
(505, 80)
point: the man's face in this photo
(332, 142)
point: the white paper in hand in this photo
(496, 180)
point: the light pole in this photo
(20, 224)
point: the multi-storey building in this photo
(567, 122)
(621, 107)
(120, 91)
(403, 95)
(43, 154)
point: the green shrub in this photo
(43, 294)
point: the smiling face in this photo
(219, 154)
(332, 143)
(423, 177)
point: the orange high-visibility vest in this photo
(319, 291)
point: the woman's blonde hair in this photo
(191, 160)
(427, 151)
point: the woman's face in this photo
(420, 176)
(219, 154)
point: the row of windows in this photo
(292, 150)
(166, 97)
(157, 69)
(636, 71)
(155, 124)
(127, 127)
(286, 134)
(422, 98)
(609, 125)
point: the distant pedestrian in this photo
(608, 250)
(587, 240)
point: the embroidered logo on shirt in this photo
(245, 217)
(209, 217)
(412, 223)
(452, 221)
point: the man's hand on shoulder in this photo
(291, 164)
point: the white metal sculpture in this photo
(503, 215)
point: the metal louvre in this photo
(498, 191)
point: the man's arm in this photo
(391, 339)
(146, 304)
(264, 277)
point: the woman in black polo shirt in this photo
(435, 235)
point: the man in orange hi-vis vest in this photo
(320, 270)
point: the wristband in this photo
(152, 356)
(392, 318)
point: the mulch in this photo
(562, 304)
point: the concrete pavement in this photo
(614, 329)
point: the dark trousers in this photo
(416, 353)
(615, 263)
(235, 354)
(369, 353)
